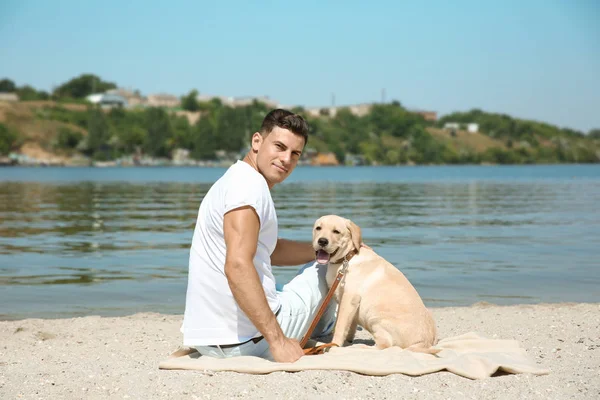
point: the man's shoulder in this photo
(244, 175)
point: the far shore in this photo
(100, 357)
(225, 164)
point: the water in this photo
(85, 241)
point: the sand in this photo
(117, 358)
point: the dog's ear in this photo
(355, 234)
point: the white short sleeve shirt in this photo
(212, 316)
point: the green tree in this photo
(298, 110)
(189, 102)
(132, 139)
(324, 112)
(182, 133)
(7, 86)
(393, 157)
(232, 129)
(29, 93)
(58, 113)
(98, 135)
(128, 133)
(255, 113)
(339, 152)
(68, 139)
(546, 155)
(8, 139)
(426, 150)
(373, 151)
(392, 120)
(160, 131)
(594, 133)
(204, 139)
(497, 155)
(211, 106)
(82, 86)
(349, 130)
(450, 155)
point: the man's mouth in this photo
(323, 257)
(279, 167)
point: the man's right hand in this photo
(286, 350)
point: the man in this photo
(232, 305)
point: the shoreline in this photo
(226, 164)
(179, 313)
(97, 357)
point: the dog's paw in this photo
(361, 346)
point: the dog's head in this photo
(334, 237)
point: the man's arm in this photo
(241, 227)
(290, 252)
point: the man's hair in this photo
(286, 120)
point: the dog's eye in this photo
(318, 228)
(336, 231)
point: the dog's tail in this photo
(418, 348)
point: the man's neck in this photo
(248, 159)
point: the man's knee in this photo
(306, 266)
(311, 278)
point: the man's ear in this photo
(257, 141)
(355, 234)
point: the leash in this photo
(315, 321)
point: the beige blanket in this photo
(468, 355)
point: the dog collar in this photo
(347, 258)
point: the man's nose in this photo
(286, 158)
(323, 242)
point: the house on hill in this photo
(239, 101)
(107, 99)
(9, 97)
(361, 110)
(162, 100)
(427, 115)
(356, 109)
(133, 97)
(455, 126)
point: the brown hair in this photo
(287, 120)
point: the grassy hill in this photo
(50, 130)
(463, 140)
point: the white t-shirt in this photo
(212, 316)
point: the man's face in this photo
(278, 154)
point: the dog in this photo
(373, 293)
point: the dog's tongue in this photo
(322, 257)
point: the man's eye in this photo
(336, 231)
(318, 228)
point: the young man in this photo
(232, 306)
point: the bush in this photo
(58, 113)
(68, 139)
(499, 156)
(8, 139)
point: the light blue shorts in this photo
(300, 299)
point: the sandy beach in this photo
(117, 358)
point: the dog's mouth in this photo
(323, 257)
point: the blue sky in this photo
(531, 59)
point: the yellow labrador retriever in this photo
(373, 294)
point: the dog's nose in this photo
(323, 242)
